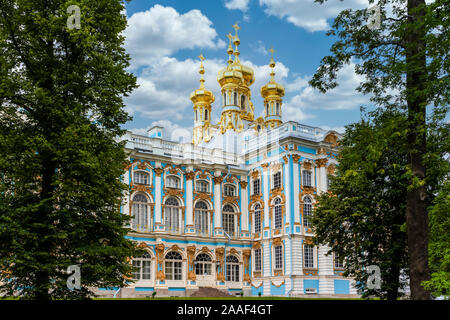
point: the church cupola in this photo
(234, 81)
(272, 93)
(202, 100)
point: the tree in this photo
(405, 64)
(361, 218)
(61, 111)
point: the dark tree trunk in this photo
(416, 206)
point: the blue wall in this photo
(310, 284)
(341, 287)
(277, 291)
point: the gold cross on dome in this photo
(271, 51)
(229, 36)
(201, 57)
(236, 27)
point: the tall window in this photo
(206, 114)
(203, 264)
(338, 263)
(235, 98)
(228, 219)
(256, 186)
(173, 182)
(196, 115)
(143, 263)
(232, 269)
(267, 109)
(278, 108)
(277, 180)
(258, 259)
(140, 213)
(171, 215)
(141, 177)
(306, 178)
(307, 211)
(202, 186)
(278, 251)
(173, 266)
(257, 218)
(201, 218)
(277, 213)
(308, 256)
(229, 190)
(224, 98)
(243, 102)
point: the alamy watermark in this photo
(374, 21)
(74, 280)
(74, 20)
(374, 279)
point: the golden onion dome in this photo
(202, 94)
(272, 88)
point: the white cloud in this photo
(343, 97)
(161, 31)
(308, 14)
(237, 5)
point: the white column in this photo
(218, 204)
(189, 200)
(296, 186)
(158, 215)
(266, 178)
(244, 207)
(287, 189)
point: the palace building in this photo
(231, 210)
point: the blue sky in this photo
(165, 38)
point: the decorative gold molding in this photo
(286, 159)
(332, 139)
(277, 242)
(218, 180)
(321, 162)
(190, 175)
(331, 169)
(190, 250)
(256, 245)
(158, 171)
(281, 283)
(296, 157)
(255, 174)
(219, 257)
(265, 166)
(141, 188)
(243, 184)
(159, 250)
(307, 165)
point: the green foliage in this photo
(439, 246)
(361, 218)
(404, 67)
(61, 110)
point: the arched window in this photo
(257, 218)
(171, 215)
(203, 265)
(201, 218)
(243, 102)
(173, 266)
(235, 98)
(277, 213)
(228, 219)
(143, 263)
(229, 190)
(196, 115)
(224, 98)
(277, 180)
(201, 186)
(206, 114)
(278, 108)
(173, 182)
(267, 109)
(139, 211)
(232, 269)
(307, 211)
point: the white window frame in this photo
(201, 219)
(307, 178)
(307, 212)
(173, 268)
(200, 186)
(138, 177)
(254, 185)
(280, 179)
(169, 182)
(257, 259)
(309, 256)
(227, 188)
(140, 211)
(257, 213)
(278, 257)
(277, 214)
(139, 262)
(172, 215)
(232, 272)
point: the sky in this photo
(165, 38)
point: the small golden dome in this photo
(272, 88)
(202, 94)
